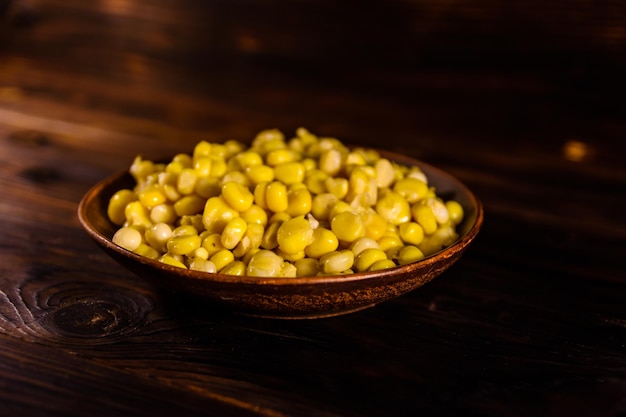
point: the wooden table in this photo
(525, 106)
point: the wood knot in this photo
(90, 319)
(41, 175)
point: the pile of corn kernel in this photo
(281, 207)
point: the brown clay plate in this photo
(287, 298)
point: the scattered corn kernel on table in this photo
(530, 321)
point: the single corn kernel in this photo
(336, 262)
(152, 196)
(202, 167)
(288, 270)
(374, 223)
(237, 268)
(280, 156)
(217, 212)
(233, 232)
(393, 208)
(386, 243)
(382, 264)
(322, 204)
(128, 238)
(367, 258)
(236, 176)
(385, 173)
(201, 253)
(183, 244)
(330, 161)
(289, 172)
(455, 210)
(298, 202)
(194, 220)
(117, 205)
(202, 265)
(259, 173)
(248, 159)
(186, 183)
(291, 257)
(294, 235)
(347, 226)
(163, 213)
(411, 233)
(270, 240)
(254, 233)
(279, 217)
(222, 258)
(237, 196)
(423, 215)
(361, 244)
(189, 205)
(254, 214)
(276, 197)
(315, 181)
(264, 263)
(212, 244)
(439, 210)
(411, 189)
(137, 215)
(170, 260)
(339, 207)
(171, 192)
(242, 247)
(324, 241)
(409, 254)
(202, 148)
(158, 235)
(337, 186)
(147, 251)
(306, 267)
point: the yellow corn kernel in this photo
(248, 159)
(382, 264)
(385, 173)
(234, 268)
(163, 213)
(280, 156)
(202, 148)
(141, 168)
(269, 240)
(409, 254)
(233, 232)
(279, 217)
(128, 238)
(339, 207)
(254, 234)
(170, 260)
(411, 189)
(158, 235)
(367, 258)
(171, 192)
(393, 208)
(455, 211)
(375, 224)
(117, 205)
(260, 195)
(309, 164)
(152, 196)
(298, 202)
(217, 212)
(361, 244)
(276, 197)
(291, 257)
(330, 161)
(444, 236)
(416, 172)
(194, 220)
(137, 215)
(288, 270)
(186, 183)
(322, 204)
(218, 166)
(202, 166)
(242, 247)
(439, 209)
(201, 253)
(336, 262)
(315, 181)
(237, 196)
(411, 233)
(306, 267)
(294, 235)
(347, 226)
(188, 205)
(202, 265)
(254, 214)
(222, 258)
(236, 176)
(212, 243)
(147, 251)
(183, 244)
(218, 150)
(355, 158)
(386, 243)
(337, 186)
(233, 147)
(362, 186)
(423, 215)
(289, 172)
(259, 173)
(324, 241)
(264, 263)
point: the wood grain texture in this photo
(523, 103)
